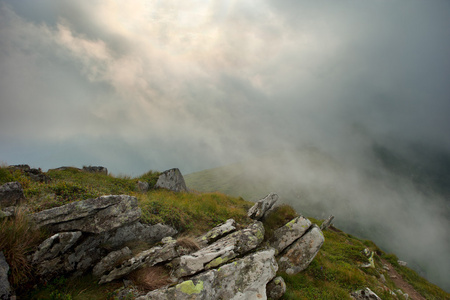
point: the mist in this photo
(151, 85)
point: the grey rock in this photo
(65, 168)
(402, 263)
(143, 186)
(364, 294)
(244, 279)
(299, 255)
(276, 288)
(55, 245)
(22, 168)
(219, 252)
(287, 234)
(172, 180)
(93, 215)
(111, 260)
(5, 288)
(327, 223)
(10, 194)
(96, 169)
(6, 212)
(262, 207)
(217, 232)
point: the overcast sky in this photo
(140, 85)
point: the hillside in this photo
(333, 274)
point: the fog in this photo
(153, 85)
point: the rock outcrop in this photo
(217, 232)
(5, 288)
(10, 194)
(276, 288)
(96, 169)
(263, 207)
(289, 233)
(171, 180)
(364, 294)
(244, 279)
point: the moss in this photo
(188, 287)
(216, 262)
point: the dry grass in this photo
(188, 243)
(151, 278)
(17, 239)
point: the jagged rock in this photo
(55, 245)
(111, 260)
(66, 168)
(219, 252)
(244, 279)
(364, 294)
(262, 207)
(10, 194)
(5, 288)
(217, 232)
(168, 251)
(276, 288)
(143, 186)
(171, 180)
(7, 212)
(287, 234)
(299, 255)
(93, 215)
(96, 169)
(327, 223)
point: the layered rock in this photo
(10, 194)
(262, 207)
(219, 252)
(244, 279)
(55, 245)
(171, 180)
(289, 233)
(5, 288)
(111, 260)
(217, 232)
(299, 254)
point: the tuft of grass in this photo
(151, 278)
(188, 243)
(18, 239)
(277, 218)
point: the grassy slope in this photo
(332, 275)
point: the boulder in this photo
(244, 279)
(327, 223)
(217, 232)
(402, 263)
(10, 194)
(93, 215)
(55, 245)
(219, 252)
(364, 294)
(5, 288)
(287, 234)
(171, 180)
(143, 186)
(7, 212)
(111, 260)
(299, 255)
(96, 169)
(276, 288)
(262, 207)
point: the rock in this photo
(22, 168)
(217, 232)
(299, 255)
(402, 263)
(219, 252)
(6, 212)
(111, 260)
(55, 245)
(262, 207)
(143, 186)
(327, 223)
(364, 294)
(10, 194)
(5, 288)
(276, 288)
(171, 180)
(66, 168)
(386, 267)
(287, 234)
(382, 278)
(244, 279)
(93, 215)
(96, 169)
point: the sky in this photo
(145, 85)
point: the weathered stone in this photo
(111, 260)
(217, 232)
(96, 169)
(327, 223)
(244, 279)
(55, 245)
(276, 288)
(93, 215)
(66, 168)
(10, 194)
(172, 180)
(219, 252)
(7, 212)
(143, 186)
(364, 294)
(5, 288)
(287, 234)
(22, 168)
(402, 263)
(262, 207)
(299, 255)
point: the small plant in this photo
(151, 278)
